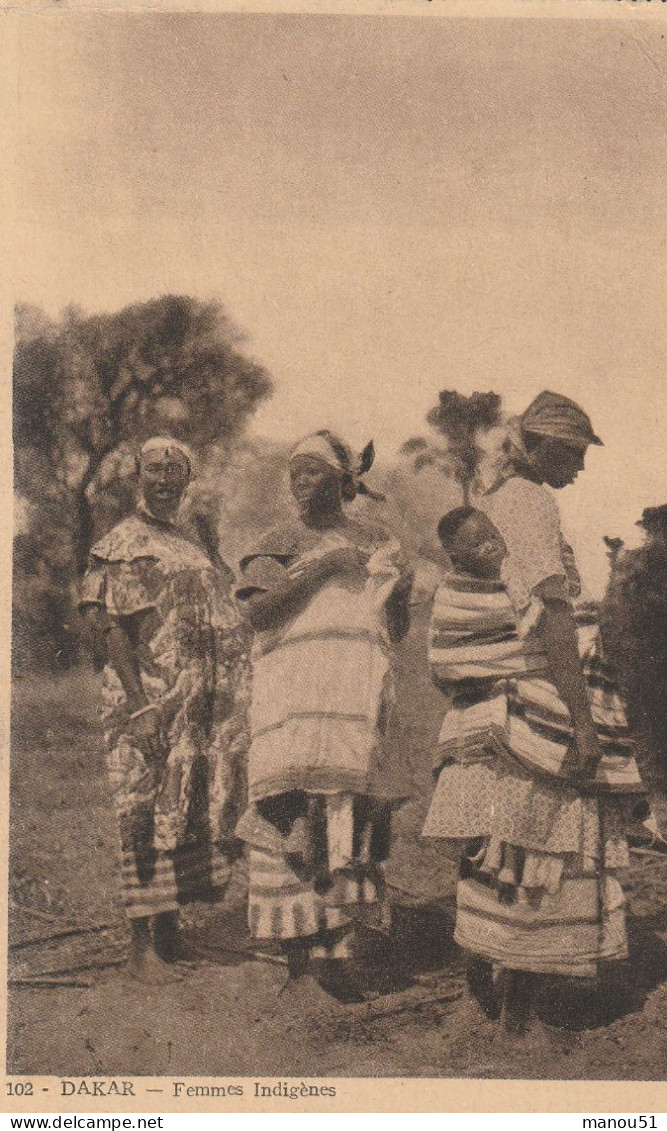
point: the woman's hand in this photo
(270, 608)
(145, 730)
(587, 752)
(346, 560)
(403, 587)
(398, 608)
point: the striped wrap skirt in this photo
(340, 888)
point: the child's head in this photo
(472, 542)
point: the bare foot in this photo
(167, 939)
(148, 968)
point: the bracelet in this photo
(145, 710)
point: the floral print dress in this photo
(176, 814)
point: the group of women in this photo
(254, 719)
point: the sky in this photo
(385, 206)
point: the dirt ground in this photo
(227, 1016)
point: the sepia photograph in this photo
(339, 594)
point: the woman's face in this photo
(163, 480)
(314, 485)
(557, 463)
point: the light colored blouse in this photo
(527, 517)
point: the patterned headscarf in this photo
(330, 449)
(552, 414)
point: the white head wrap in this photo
(318, 447)
(169, 448)
(335, 453)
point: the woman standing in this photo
(175, 688)
(539, 892)
(326, 595)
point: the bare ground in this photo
(227, 1016)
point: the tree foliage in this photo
(459, 421)
(87, 390)
(634, 621)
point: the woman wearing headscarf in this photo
(327, 595)
(175, 689)
(539, 892)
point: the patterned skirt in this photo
(154, 882)
(567, 932)
(155, 879)
(337, 884)
(539, 889)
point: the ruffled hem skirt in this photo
(287, 900)
(538, 888)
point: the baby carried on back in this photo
(504, 701)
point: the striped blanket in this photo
(504, 700)
(322, 685)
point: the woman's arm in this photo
(529, 522)
(123, 659)
(398, 610)
(558, 635)
(94, 626)
(268, 609)
(109, 641)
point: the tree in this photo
(85, 386)
(634, 624)
(89, 388)
(460, 421)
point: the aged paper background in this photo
(531, 255)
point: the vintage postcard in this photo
(335, 343)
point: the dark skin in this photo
(554, 462)
(477, 548)
(316, 488)
(317, 491)
(162, 481)
(558, 464)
